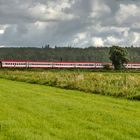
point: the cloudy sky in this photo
(78, 23)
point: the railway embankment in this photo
(117, 84)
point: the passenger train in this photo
(45, 64)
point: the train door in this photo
(26, 64)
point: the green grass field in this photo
(37, 112)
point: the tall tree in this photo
(118, 56)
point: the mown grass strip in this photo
(36, 112)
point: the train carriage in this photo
(45, 64)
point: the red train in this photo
(45, 64)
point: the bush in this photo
(107, 67)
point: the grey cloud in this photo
(74, 22)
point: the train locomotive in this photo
(45, 64)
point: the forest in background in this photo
(90, 54)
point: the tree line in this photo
(90, 54)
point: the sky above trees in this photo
(77, 23)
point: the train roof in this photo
(61, 62)
(49, 61)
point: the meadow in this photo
(38, 112)
(118, 84)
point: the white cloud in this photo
(3, 28)
(80, 37)
(2, 31)
(2, 46)
(136, 38)
(97, 41)
(113, 40)
(126, 33)
(128, 13)
(41, 25)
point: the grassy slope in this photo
(38, 112)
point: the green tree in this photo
(118, 56)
